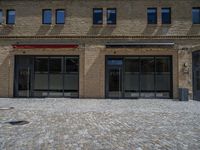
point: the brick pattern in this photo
(131, 17)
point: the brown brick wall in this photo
(131, 17)
(92, 66)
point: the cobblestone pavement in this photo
(100, 124)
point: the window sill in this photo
(97, 25)
(111, 25)
(166, 25)
(196, 24)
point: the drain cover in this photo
(20, 122)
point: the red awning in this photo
(31, 46)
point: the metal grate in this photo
(19, 122)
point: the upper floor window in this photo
(1, 16)
(152, 15)
(60, 16)
(196, 15)
(46, 16)
(10, 17)
(166, 15)
(111, 16)
(97, 16)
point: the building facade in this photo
(99, 49)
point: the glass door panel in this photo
(23, 76)
(115, 82)
(24, 82)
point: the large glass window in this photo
(143, 76)
(60, 16)
(147, 77)
(55, 76)
(41, 66)
(97, 16)
(55, 65)
(46, 16)
(166, 15)
(1, 16)
(10, 17)
(111, 16)
(196, 15)
(152, 15)
(71, 76)
(163, 77)
(131, 77)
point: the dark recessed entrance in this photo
(46, 76)
(196, 75)
(139, 77)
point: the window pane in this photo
(132, 64)
(72, 64)
(60, 16)
(71, 78)
(131, 78)
(196, 59)
(71, 82)
(41, 82)
(11, 17)
(56, 82)
(111, 16)
(97, 16)
(147, 82)
(147, 64)
(131, 81)
(115, 62)
(55, 65)
(163, 82)
(47, 16)
(1, 17)
(71, 85)
(196, 15)
(55, 85)
(41, 64)
(166, 15)
(163, 64)
(163, 77)
(152, 15)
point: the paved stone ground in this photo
(100, 124)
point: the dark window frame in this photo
(115, 22)
(170, 16)
(156, 21)
(193, 16)
(7, 17)
(43, 18)
(1, 22)
(56, 17)
(94, 16)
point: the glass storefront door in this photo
(114, 77)
(23, 77)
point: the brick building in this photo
(99, 49)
